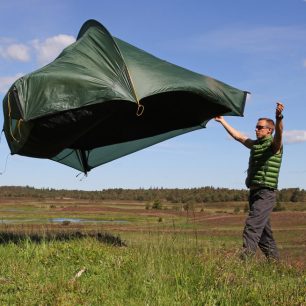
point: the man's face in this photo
(262, 129)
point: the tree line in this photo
(171, 195)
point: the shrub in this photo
(236, 210)
(157, 205)
(246, 208)
(278, 207)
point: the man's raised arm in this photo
(234, 133)
(278, 134)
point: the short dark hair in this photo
(270, 122)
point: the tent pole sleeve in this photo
(140, 108)
(10, 120)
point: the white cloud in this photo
(294, 136)
(19, 52)
(6, 82)
(304, 60)
(51, 47)
(45, 50)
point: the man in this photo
(262, 178)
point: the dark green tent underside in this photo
(86, 160)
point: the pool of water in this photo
(60, 220)
(76, 220)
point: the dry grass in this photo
(218, 221)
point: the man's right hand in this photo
(219, 119)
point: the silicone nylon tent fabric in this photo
(103, 98)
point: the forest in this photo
(174, 195)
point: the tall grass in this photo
(154, 269)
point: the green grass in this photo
(155, 269)
(172, 257)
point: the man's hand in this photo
(278, 135)
(279, 109)
(219, 119)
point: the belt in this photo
(254, 188)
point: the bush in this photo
(278, 207)
(157, 205)
(189, 206)
(246, 208)
(236, 210)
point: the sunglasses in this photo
(260, 127)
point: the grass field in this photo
(171, 256)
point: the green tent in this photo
(103, 98)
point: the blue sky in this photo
(257, 46)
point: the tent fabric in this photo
(103, 98)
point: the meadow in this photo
(80, 252)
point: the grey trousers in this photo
(257, 231)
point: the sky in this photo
(256, 46)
